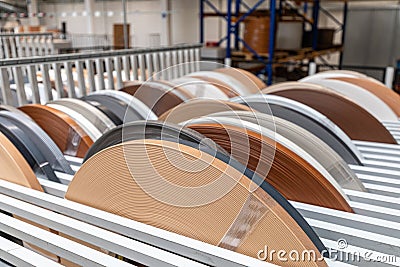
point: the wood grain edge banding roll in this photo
(105, 182)
(158, 100)
(355, 121)
(40, 142)
(108, 112)
(225, 88)
(246, 77)
(199, 107)
(315, 147)
(309, 119)
(291, 175)
(158, 130)
(95, 116)
(14, 167)
(388, 96)
(179, 91)
(58, 126)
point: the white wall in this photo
(144, 18)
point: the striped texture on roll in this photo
(14, 167)
(201, 88)
(252, 82)
(13, 109)
(105, 182)
(40, 141)
(230, 81)
(290, 174)
(65, 132)
(179, 91)
(362, 97)
(108, 112)
(157, 99)
(150, 130)
(391, 98)
(223, 87)
(91, 129)
(199, 107)
(134, 107)
(307, 118)
(311, 144)
(95, 116)
(355, 121)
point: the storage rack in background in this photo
(233, 17)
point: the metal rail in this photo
(129, 237)
(75, 75)
(17, 45)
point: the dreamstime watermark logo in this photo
(272, 255)
(342, 253)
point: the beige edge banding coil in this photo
(105, 182)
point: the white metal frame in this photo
(18, 45)
(120, 65)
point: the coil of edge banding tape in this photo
(326, 102)
(199, 107)
(307, 118)
(314, 188)
(92, 186)
(63, 130)
(314, 146)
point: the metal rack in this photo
(234, 17)
(94, 71)
(17, 45)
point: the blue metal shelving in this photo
(234, 17)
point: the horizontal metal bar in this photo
(64, 178)
(333, 263)
(380, 180)
(384, 165)
(53, 188)
(376, 144)
(73, 159)
(357, 221)
(347, 221)
(382, 190)
(375, 171)
(20, 256)
(377, 150)
(357, 237)
(391, 122)
(26, 34)
(91, 55)
(56, 244)
(118, 244)
(75, 168)
(367, 258)
(381, 158)
(388, 214)
(393, 128)
(181, 245)
(374, 200)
